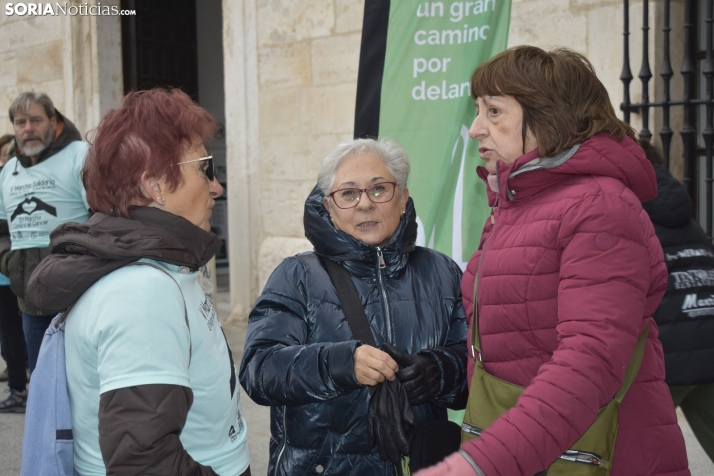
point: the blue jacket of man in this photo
(299, 349)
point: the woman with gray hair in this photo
(301, 355)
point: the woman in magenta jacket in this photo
(569, 270)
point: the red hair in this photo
(150, 131)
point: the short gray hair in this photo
(387, 150)
(23, 101)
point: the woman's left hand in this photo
(420, 374)
(454, 465)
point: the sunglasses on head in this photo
(210, 170)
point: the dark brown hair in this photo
(563, 101)
(6, 139)
(149, 132)
(652, 153)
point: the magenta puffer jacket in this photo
(570, 272)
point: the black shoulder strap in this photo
(349, 299)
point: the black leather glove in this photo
(388, 416)
(419, 374)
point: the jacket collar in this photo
(359, 257)
(599, 155)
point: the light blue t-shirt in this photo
(129, 329)
(39, 198)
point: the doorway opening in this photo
(179, 44)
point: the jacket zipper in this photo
(380, 266)
(470, 429)
(285, 441)
(478, 269)
(582, 457)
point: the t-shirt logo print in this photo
(232, 434)
(208, 313)
(31, 205)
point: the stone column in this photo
(92, 67)
(242, 157)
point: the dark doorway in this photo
(159, 45)
(179, 43)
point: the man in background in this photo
(685, 317)
(40, 188)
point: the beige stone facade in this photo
(290, 73)
(75, 60)
(305, 58)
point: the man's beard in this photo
(34, 150)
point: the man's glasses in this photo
(378, 193)
(210, 170)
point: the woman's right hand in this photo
(372, 365)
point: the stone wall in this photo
(308, 56)
(32, 57)
(594, 28)
(76, 60)
(297, 81)
(591, 27)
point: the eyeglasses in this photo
(210, 169)
(378, 193)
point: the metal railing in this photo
(691, 102)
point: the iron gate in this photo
(697, 131)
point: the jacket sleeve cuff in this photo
(341, 363)
(452, 391)
(473, 464)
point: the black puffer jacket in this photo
(299, 349)
(686, 315)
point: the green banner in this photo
(432, 48)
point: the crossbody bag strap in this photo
(633, 367)
(349, 299)
(356, 317)
(185, 309)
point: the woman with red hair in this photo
(150, 375)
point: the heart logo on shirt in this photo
(29, 207)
